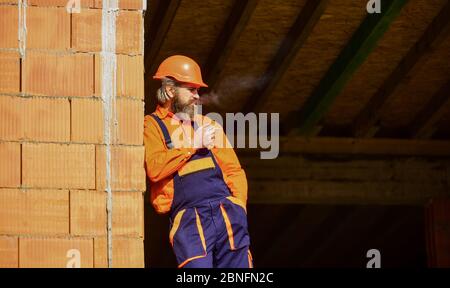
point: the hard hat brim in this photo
(201, 84)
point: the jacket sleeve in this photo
(160, 161)
(233, 174)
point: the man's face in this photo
(185, 99)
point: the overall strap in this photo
(166, 134)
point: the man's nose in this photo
(195, 95)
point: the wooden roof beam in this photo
(366, 122)
(358, 48)
(236, 23)
(360, 146)
(157, 31)
(344, 192)
(424, 125)
(293, 41)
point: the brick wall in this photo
(53, 153)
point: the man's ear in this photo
(170, 90)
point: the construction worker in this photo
(201, 186)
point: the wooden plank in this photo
(435, 33)
(346, 168)
(349, 193)
(229, 36)
(423, 125)
(438, 233)
(157, 32)
(292, 43)
(351, 57)
(361, 146)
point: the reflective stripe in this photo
(190, 259)
(237, 201)
(250, 259)
(228, 225)
(200, 230)
(196, 165)
(176, 224)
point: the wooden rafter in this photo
(424, 124)
(344, 192)
(229, 36)
(351, 57)
(434, 34)
(157, 31)
(293, 41)
(361, 146)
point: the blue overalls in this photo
(208, 225)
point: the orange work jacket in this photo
(162, 163)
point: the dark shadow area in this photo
(158, 253)
(315, 236)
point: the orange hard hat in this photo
(182, 69)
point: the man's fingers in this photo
(205, 126)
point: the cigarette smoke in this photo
(228, 88)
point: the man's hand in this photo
(205, 136)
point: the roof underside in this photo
(334, 72)
(292, 57)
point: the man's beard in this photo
(183, 110)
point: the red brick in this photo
(128, 214)
(9, 27)
(11, 118)
(62, 75)
(127, 168)
(54, 252)
(58, 166)
(130, 119)
(127, 253)
(87, 30)
(87, 121)
(130, 76)
(9, 72)
(124, 4)
(100, 252)
(87, 212)
(131, 4)
(48, 28)
(98, 75)
(9, 252)
(34, 211)
(9, 164)
(47, 119)
(59, 3)
(34, 118)
(129, 34)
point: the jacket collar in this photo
(163, 112)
